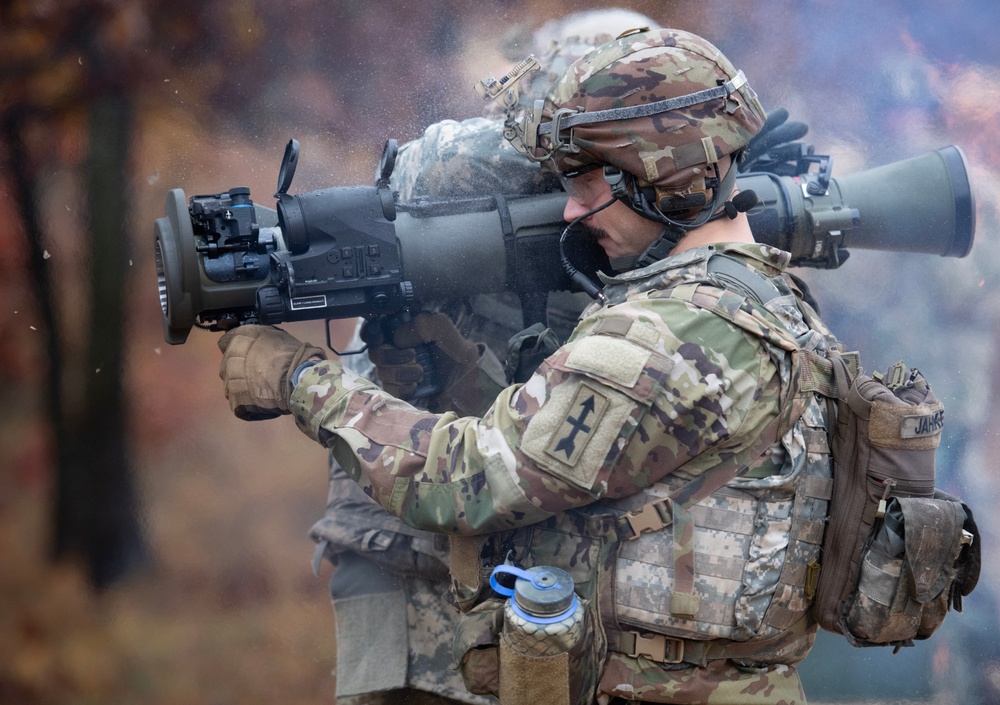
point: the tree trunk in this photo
(66, 540)
(114, 541)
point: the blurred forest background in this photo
(154, 549)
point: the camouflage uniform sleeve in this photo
(626, 401)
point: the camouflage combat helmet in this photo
(659, 108)
(560, 42)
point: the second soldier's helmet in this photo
(662, 107)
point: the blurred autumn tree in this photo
(71, 77)
(67, 75)
(76, 79)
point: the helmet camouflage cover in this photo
(671, 149)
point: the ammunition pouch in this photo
(904, 589)
(897, 553)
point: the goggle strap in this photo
(636, 111)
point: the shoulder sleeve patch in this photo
(579, 425)
(575, 433)
(609, 357)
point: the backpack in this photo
(897, 553)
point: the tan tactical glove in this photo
(453, 358)
(257, 365)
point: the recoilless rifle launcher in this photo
(223, 260)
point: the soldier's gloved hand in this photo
(399, 371)
(256, 369)
(775, 148)
(397, 368)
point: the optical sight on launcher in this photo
(223, 261)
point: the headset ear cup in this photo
(625, 187)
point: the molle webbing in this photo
(667, 649)
(811, 373)
(674, 510)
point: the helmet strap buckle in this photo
(528, 135)
(616, 180)
(661, 246)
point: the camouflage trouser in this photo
(389, 591)
(394, 635)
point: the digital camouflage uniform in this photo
(384, 566)
(670, 381)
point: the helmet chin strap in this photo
(673, 231)
(660, 248)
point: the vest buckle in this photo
(657, 647)
(650, 517)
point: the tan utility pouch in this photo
(490, 666)
(476, 647)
